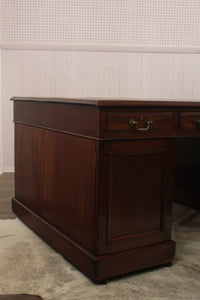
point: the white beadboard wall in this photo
(1, 124)
(102, 74)
(90, 74)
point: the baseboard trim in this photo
(97, 268)
(7, 170)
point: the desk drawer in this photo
(189, 121)
(140, 123)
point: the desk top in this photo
(115, 101)
(101, 118)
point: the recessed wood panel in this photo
(135, 198)
(136, 202)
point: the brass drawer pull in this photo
(133, 122)
(198, 122)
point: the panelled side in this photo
(135, 204)
(55, 178)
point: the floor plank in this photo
(6, 194)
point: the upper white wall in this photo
(100, 24)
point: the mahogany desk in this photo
(95, 178)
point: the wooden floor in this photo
(6, 194)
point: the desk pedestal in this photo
(95, 178)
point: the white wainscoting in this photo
(103, 74)
(1, 123)
(90, 74)
(7, 116)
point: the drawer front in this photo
(189, 121)
(130, 124)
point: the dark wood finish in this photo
(187, 188)
(136, 204)
(118, 124)
(6, 192)
(96, 267)
(118, 120)
(80, 257)
(20, 297)
(188, 121)
(77, 119)
(58, 187)
(95, 189)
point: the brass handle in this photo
(198, 122)
(133, 122)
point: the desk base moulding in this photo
(97, 268)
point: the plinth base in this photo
(97, 268)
